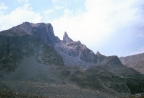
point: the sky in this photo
(112, 27)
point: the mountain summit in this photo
(39, 30)
(66, 38)
(98, 53)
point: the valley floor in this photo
(36, 90)
(13, 94)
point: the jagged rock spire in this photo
(98, 53)
(66, 38)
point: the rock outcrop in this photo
(39, 30)
(75, 53)
(66, 38)
(100, 57)
(111, 60)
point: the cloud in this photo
(23, 1)
(98, 23)
(19, 15)
(140, 35)
(47, 12)
(3, 6)
(60, 3)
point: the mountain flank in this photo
(134, 61)
(35, 61)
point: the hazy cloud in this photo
(60, 3)
(23, 1)
(99, 21)
(3, 6)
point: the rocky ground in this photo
(140, 95)
(36, 90)
(14, 94)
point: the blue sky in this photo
(112, 27)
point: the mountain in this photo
(134, 61)
(40, 30)
(35, 61)
(30, 64)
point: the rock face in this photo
(66, 38)
(75, 53)
(134, 61)
(40, 30)
(111, 60)
(100, 57)
(17, 44)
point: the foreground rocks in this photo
(140, 95)
(14, 94)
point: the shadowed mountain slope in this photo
(39, 30)
(134, 61)
(24, 58)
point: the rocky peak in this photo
(77, 50)
(100, 57)
(28, 27)
(43, 31)
(98, 54)
(25, 26)
(66, 38)
(112, 60)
